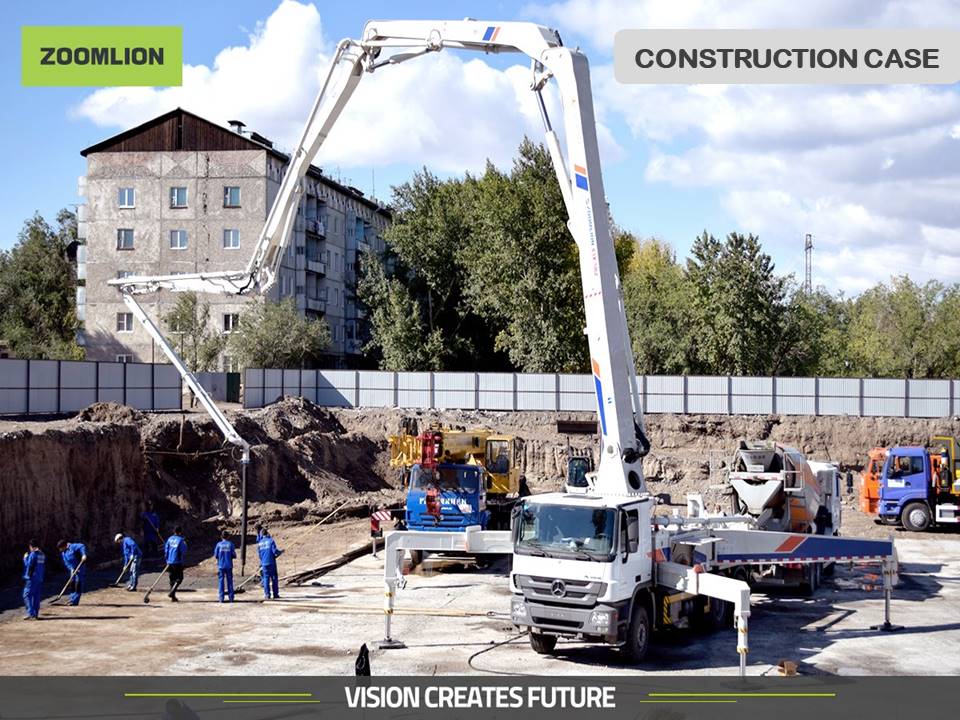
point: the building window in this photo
(231, 239)
(124, 322)
(300, 249)
(231, 196)
(228, 364)
(124, 274)
(178, 239)
(125, 239)
(231, 321)
(336, 297)
(178, 197)
(126, 198)
(300, 290)
(124, 358)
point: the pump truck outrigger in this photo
(596, 564)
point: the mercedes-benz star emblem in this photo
(559, 588)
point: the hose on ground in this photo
(493, 646)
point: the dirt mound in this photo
(110, 412)
(290, 417)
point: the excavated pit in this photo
(88, 477)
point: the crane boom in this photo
(391, 42)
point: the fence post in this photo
(906, 397)
(514, 391)
(773, 395)
(396, 389)
(58, 386)
(28, 387)
(96, 381)
(153, 386)
(476, 391)
(556, 390)
(125, 386)
(860, 408)
(950, 387)
(816, 396)
(432, 395)
(729, 395)
(356, 388)
(643, 392)
(685, 406)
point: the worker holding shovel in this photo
(267, 549)
(224, 552)
(34, 566)
(74, 555)
(175, 552)
(132, 557)
(151, 530)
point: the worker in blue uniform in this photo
(175, 552)
(34, 567)
(151, 530)
(74, 556)
(132, 557)
(267, 549)
(225, 553)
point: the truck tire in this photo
(811, 579)
(543, 644)
(916, 516)
(416, 557)
(712, 614)
(638, 634)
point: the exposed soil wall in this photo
(87, 478)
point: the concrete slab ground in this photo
(455, 621)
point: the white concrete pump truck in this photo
(596, 564)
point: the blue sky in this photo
(871, 172)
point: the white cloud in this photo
(873, 172)
(447, 111)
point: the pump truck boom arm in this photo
(623, 442)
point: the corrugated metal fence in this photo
(661, 394)
(61, 386)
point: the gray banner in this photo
(829, 57)
(642, 697)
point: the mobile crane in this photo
(597, 564)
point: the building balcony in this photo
(316, 305)
(316, 266)
(315, 227)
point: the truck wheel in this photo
(811, 579)
(543, 644)
(638, 634)
(916, 517)
(712, 614)
(416, 557)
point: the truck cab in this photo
(446, 497)
(916, 488)
(582, 568)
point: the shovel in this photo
(72, 576)
(126, 567)
(146, 598)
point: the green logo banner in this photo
(101, 55)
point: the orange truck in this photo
(870, 481)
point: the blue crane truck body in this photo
(446, 497)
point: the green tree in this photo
(276, 335)
(426, 240)
(739, 305)
(38, 291)
(396, 322)
(523, 266)
(894, 332)
(188, 324)
(657, 300)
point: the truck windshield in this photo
(454, 478)
(561, 530)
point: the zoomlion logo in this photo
(100, 56)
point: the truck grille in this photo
(582, 593)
